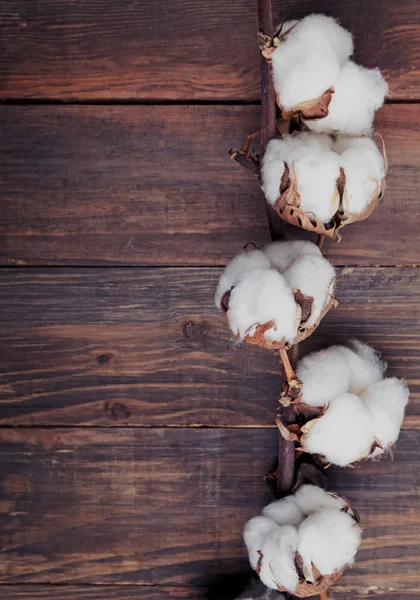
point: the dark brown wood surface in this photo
(148, 347)
(219, 591)
(167, 506)
(134, 432)
(180, 49)
(155, 185)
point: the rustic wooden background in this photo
(134, 434)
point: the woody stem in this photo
(287, 365)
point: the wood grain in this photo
(148, 347)
(180, 49)
(224, 589)
(167, 506)
(154, 185)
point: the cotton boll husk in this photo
(344, 433)
(284, 512)
(261, 297)
(313, 276)
(364, 167)
(386, 401)
(329, 539)
(311, 498)
(255, 531)
(245, 262)
(358, 92)
(365, 365)
(308, 61)
(283, 254)
(324, 375)
(278, 562)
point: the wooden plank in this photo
(148, 347)
(167, 506)
(222, 590)
(154, 185)
(180, 49)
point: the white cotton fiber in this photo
(244, 263)
(255, 531)
(284, 512)
(364, 168)
(386, 401)
(358, 93)
(365, 365)
(344, 433)
(329, 539)
(308, 61)
(311, 498)
(261, 297)
(324, 374)
(278, 563)
(283, 254)
(336, 369)
(316, 178)
(313, 276)
(272, 169)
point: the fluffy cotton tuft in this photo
(284, 512)
(308, 61)
(358, 93)
(310, 498)
(337, 369)
(261, 297)
(329, 539)
(364, 167)
(278, 562)
(386, 401)
(255, 531)
(283, 254)
(241, 265)
(344, 433)
(313, 276)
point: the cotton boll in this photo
(255, 532)
(343, 434)
(283, 254)
(242, 264)
(278, 562)
(358, 92)
(386, 401)
(365, 366)
(261, 297)
(311, 498)
(284, 512)
(324, 375)
(313, 276)
(307, 62)
(329, 539)
(364, 167)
